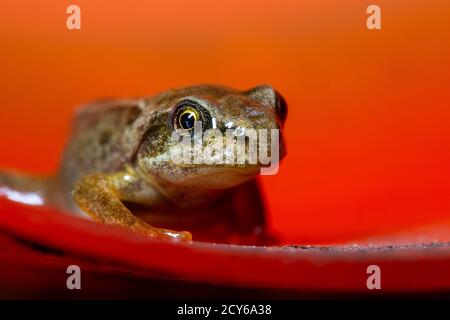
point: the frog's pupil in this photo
(187, 120)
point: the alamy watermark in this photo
(73, 21)
(374, 280)
(74, 280)
(373, 21)
(238, 146)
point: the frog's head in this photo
(173, 122)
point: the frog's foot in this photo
(97, 195)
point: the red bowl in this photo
(38, 244)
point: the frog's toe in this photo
(186, 235)
(183, 235)
(157, 233)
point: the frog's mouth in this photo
(231, 174)
(222, 176)
(214, 177)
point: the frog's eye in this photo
(186, 113)
(187, 118)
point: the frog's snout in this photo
(281, 111)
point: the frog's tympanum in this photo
(117, 167)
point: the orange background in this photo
(369, 111)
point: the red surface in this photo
(412, 271)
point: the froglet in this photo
(116, 167)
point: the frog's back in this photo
(97, 143)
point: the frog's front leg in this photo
(101, 196)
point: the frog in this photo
(115, 168)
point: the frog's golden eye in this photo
(186, 118)
(187, 112)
